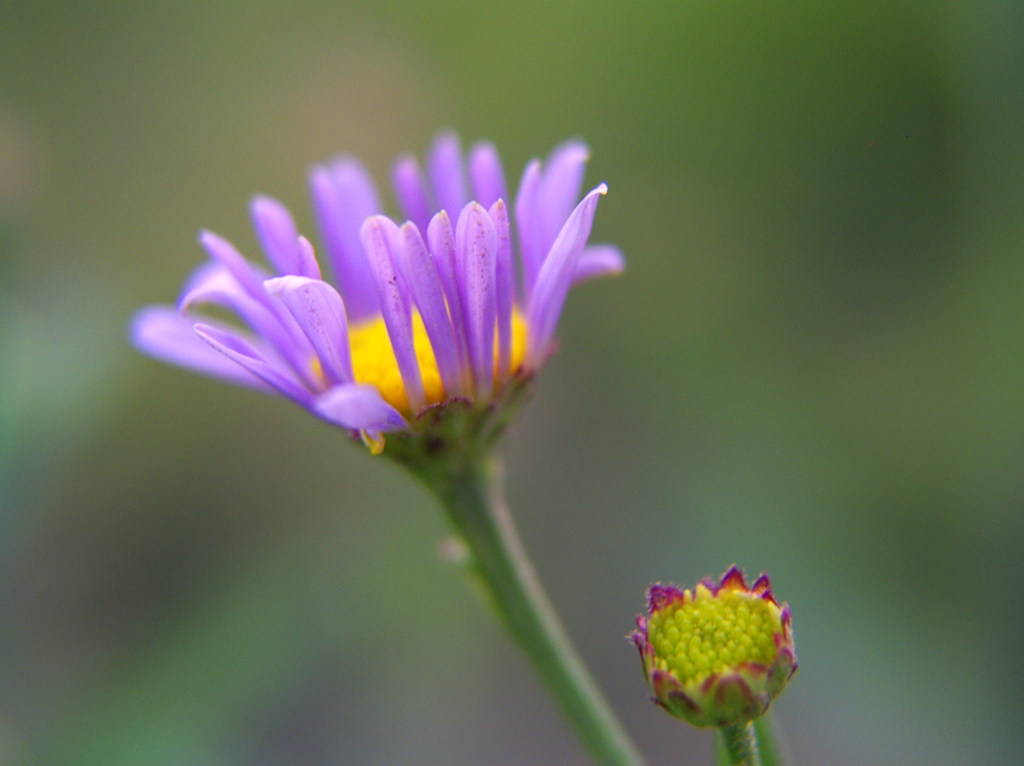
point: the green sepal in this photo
(448, 439)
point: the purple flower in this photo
(417, 314)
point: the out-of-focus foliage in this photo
(814, 365)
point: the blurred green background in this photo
(813, 365)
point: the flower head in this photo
(429, 312)
(716, 655)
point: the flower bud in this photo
(716, 655)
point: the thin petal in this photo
(162, 333)
(378, 236)
(359, 407)
(504, 284)
(280, 328)
(545, 304)
(238, 350)
(248, 277)
(486, 175)
(441, 238)
(275, 230)
(319, 310)
(211, 283)
(476, 245)
(343, 197)
(214, 283)
(598, 261)
(411, 191)
(563, 177)
(528, 230)
(420, 275)
(447, 175)
(308, 266)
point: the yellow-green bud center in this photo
(702, 633)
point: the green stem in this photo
(473, 499)
(770, 744)
(741, 744)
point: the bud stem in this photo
(740, 744)
(770, 744)
(471, 493)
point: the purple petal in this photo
(308, 266)
(248, 277)
(563, 177)
(411, 191)
(318, 309)
(211, 283)
(214, 283)
(528, 228)
(276, 233)
(420, 275)
(280, 328)
(275, 374)
(504, 284)
(343, 197)
(442, 251)
(476, 245)
(162, 333)
(486, 175)
(378, 235)
(359, 407)
(447, 176)
(598, 261)
(545, 304)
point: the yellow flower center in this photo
(704, 634)
(373, 360)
